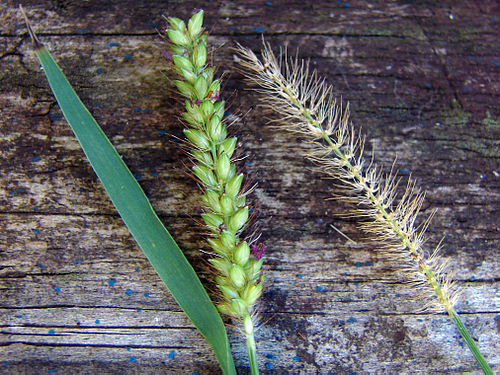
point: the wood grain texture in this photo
(78, 296)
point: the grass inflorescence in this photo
(238, 269)
(305, 104)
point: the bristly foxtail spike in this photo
(304, 104)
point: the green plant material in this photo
(137, 213)
(305, 104)
(225, 212)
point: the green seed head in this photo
(182, 62)
(214, 128)
(188, 74)
(237, 276)
(222, 265)
(233, 185)
(238, 220)
(184, 88)
(197, 138)
(219, 109)
(225, 213)
(226, 205)
(228, 146)
(222, 167)
(177, 23)
(242, 253)
(239, 306)
(252, 293)
(228, 239)
(200, 55)
(200, 88)
(203, 157)
(194, 24)
(213, 200)
(212, 220)
(228, 292)
(205, 175)
(217, 246)
(178, 37)
(207, 109)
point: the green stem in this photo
(470, 342)
(252, 354)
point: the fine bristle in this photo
(305, 104)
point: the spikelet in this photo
(236, 263)
(305, 104)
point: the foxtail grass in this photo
(237, 266)
(305, 104)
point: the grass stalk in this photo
(305, 104)
(236, 263)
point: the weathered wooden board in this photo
(78, 296)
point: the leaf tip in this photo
(36, 43)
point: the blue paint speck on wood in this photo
(299, 275)
(113, 44)
(6, 362)
(132, 359)
(82, 31)
(296, 358)
(97, 321)
(36, 158)
(258, 30)
(171, 354)
(398, 295)
(496, 63)
(52, 371)
(146, 294)
(56, 289)
(99, 70)
(19, 316)
(129, 349)
(51, 332)
(364, 264)
(127, 56)
(269, 365)
(137, 176)
(319, 288)
(111, 282)
(129, 292)
(269, 3)
(154, 174)
(36, 231)
(270, 356)
(41, 266)
(139, 310)
(162, 132)
(352, 320)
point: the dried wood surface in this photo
(78, 296)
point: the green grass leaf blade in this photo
(137, 213)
